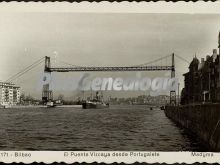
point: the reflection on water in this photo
(117, 128)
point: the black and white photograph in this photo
(109, 82)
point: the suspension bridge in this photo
(155, 65)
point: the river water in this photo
(119, 128)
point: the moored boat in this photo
(96, 104)
(50, 104)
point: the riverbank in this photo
(202, 119)
(40, 106)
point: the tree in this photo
(22, 98)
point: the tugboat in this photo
(53, 103)
(50, 104)
(94, 103)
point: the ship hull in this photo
(94, 106)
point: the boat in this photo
(50, 104)
(96, 103)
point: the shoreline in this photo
(40, 106)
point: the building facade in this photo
(9, 94)
(202, 82)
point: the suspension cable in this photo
(183, 59)
(25, 72)
(20, 73)
(154, 60)
(65, 62)
(36, 63)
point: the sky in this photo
(102, 39)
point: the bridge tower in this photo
(47, 64)
(47, 94)
(173, 93)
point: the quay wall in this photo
(203, 120)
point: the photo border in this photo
(191, 7)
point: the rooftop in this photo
(8, 84)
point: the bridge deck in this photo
(133, 68)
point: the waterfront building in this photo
(202, 82)
(9, 94)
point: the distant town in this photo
(10, 94)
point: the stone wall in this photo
(203, 120)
